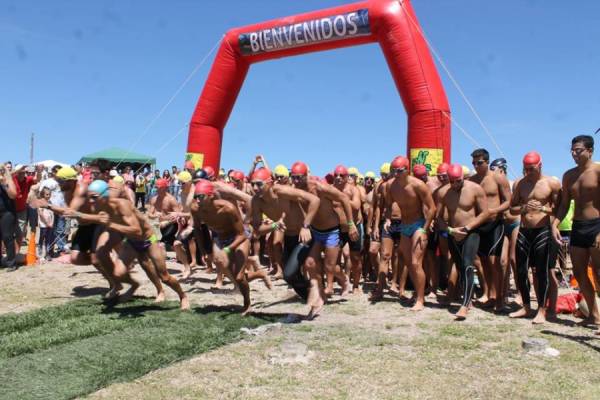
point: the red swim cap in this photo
(340, 170)
(237, 175)
(210, 171)
(189, 165)
(442, 169)
(419, 170)
(162, 183)
(455, 172)
(299, 168)
(262, 174)
(400, 162)
(204, 187)
(532, 158)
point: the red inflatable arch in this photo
(391, 23)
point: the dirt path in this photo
(354, 350)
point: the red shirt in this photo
(22, 192)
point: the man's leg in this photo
(183, 258)
(387, 245)
(580, 258)
(314, 270)
(7, 230)
(522, 276)
(155, 254)
(277, 253)
(373, 260)
(238, 270)
(413, 249)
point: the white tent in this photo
(51, 163)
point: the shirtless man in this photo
(91, 244)
(431, 262)
(534, 198)
(491, 234)
(231, 245)
(284, 205)
(582, 184)
(463, 207)
(370, 265)
(120, 215)
(325, 229)
(374, 226)
(511, 232)
(165, 207)
(417, 208)
(341, 183)
(386, 233)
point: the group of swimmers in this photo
(350, 230)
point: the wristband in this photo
(227, 250)
(350, 223)
(274, 226)
(422, 230)
(450, 231)
(306, 226)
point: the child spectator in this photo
(46, 224)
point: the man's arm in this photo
(424, 194)
(256, 214)
(565, 201)
(11, 188)
(504, 190)
(131, 225)
(302, 197)
(234, 213)
(235, 193)
(482, 209)
(515, 203)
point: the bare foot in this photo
(210, 270)
(394, 289)
(588, 321)
(217, 285)
(461, 314)
(328, 292)
(267, 281)
(431, 296)
(187, 271)
(419, 306)
(483, 299)
(346, 288)
(247, 310)
(315, 311)
(160, 297)
(520, 313)
(376, 295)
(185, 303)
(540, 317)
(357, 291)
(129, 293)
(111, 294)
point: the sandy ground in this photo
(353, 350)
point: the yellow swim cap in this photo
(466, 170)
(118, 179)
(67, 174)
(281, 170)
(370, 174)
(353, 171)
(385, 168)
(184, 177)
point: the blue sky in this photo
(90, 75)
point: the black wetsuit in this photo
(463, 254)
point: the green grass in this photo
(70, 350)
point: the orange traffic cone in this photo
(31, 258)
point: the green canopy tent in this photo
(122, 157)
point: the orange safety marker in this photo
(31, 257)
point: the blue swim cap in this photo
(99, 187)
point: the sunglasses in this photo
(297, 177)
(258, 184)
(398, 170)
(442, 176)
(578, 150)
(93, 196)
(199, 196)
(340, 176)
(280, 177)
(369, 179)
(456, 181)
(353, 175)
(478, 162)
(529, 169)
